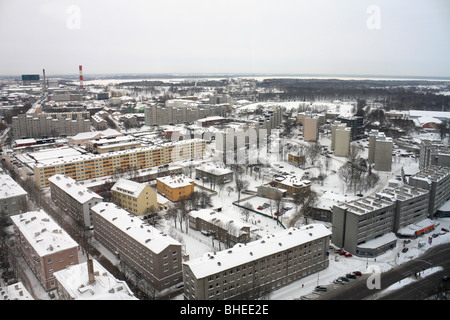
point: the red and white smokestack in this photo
(81, 76)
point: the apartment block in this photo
(380, 151)
(159, 115)
(175, 188)
(73, 198)
(106, 145)
(310, 129)
(364, 227)
(436, 180)
(44, 245)
(434, 153)
(248, 271)
(411, 204)
(137, 198)
(13, 198)
(41, 125)
(355, 123)
(335, 125)
(152, 255)
(342, 139)
(223, 228)
(87, 166)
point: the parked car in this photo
(260, 208)
(342, 252)
(350, 276)
(435, 235)
(348, 255)
(321, 288)
(405, 250)
(343, 279)
(338, 281)
(445, 230)
(357, 273)
(446, 278)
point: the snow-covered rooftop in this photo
(128, 187)
(77, 190)
(155, 240)
(175, 181)
(212, 216)
(211, 263)
(10, 188)
(75, 280)
(44, 234)
(16, 291)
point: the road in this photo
(421, 289)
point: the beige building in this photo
(380, 151)
(44, 245)
(310, 129)
(342, 139)
(13, 198)
(152, 255)
(106, 145)
(86, 166)
(137, 198)
(249, 271)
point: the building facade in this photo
(44, 245)
(159, 115)
(86, 166)
(73, 198)
(175, 188)
(13, 198)
(152, 255)
(41, 125)
(310, 129)
(357, 223)
(223, 228)
(252, 270)
(436, 180)
(137, 198)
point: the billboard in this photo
(30, 77)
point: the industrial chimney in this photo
(81, 76)
(90, 265)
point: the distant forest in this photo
(392, 94)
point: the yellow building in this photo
(83, 167)
(175, 188)
(137, 198)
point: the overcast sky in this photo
(348, 37)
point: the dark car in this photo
(405, 250)
(446, 278)
(344, 279)
(445, 230)
(321, 288)
(357, 273)
(350, 276)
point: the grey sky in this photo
(407, 38)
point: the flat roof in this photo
(10, 188)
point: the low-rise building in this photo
(292, 184)
(248, 271)
(44, 245)
(153, 255)
(223, 228)
(175, 188)
(73, 198)
(137, 198)
(214, 174)
(90, 281)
